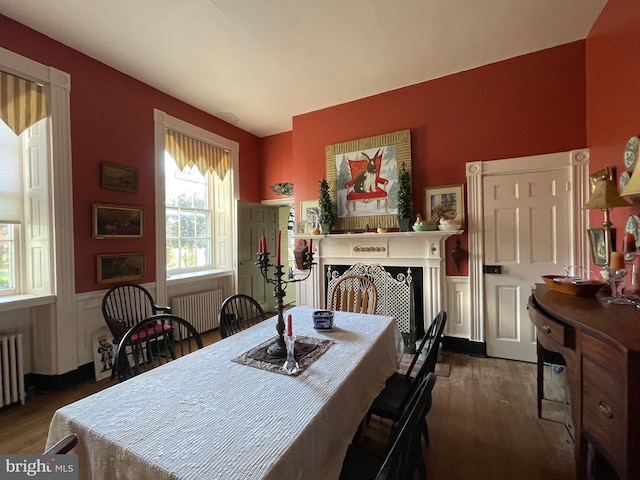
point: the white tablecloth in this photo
(205, 417)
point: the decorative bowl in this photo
(450, 226)
(580, 287)
(323, 319)
(425, 227)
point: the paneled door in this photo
(254, 221)
(526, 234)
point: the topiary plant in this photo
(324, 204)
(404, 195)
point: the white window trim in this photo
(163, 121)
(62, 206)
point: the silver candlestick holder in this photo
(278, 349)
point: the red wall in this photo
(527, 105)
(275, 162)
(613, 93)
(112, 120)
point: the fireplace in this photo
(422, 252)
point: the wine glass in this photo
(616, 277)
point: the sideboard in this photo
(600, 344)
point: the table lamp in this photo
(605, 196)
(633, 187)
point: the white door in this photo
(254, 221)
(526, 234)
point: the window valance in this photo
(188, 151)
(22, 102)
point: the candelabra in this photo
(278, 349)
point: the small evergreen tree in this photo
(324, 203)
(404, 194)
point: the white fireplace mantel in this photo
(396, 249)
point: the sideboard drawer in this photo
(550, 329)
(604, 419)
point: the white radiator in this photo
(11, 370)
(199, 309)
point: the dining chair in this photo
(399, 387)
(63, 446)
(354, 293)
(238, 312)
(153, 342)
(403, 455)
(127, 304)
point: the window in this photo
(189, 205)
(196, 188)
(25, 246)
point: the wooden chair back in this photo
(354, 293)
(153, 342)
(125, 305)
(238, 312)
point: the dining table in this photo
(216, 413)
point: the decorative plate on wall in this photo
(624, 179)
(631, 153)
(633, 226)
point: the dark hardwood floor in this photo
(482, 424)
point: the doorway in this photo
(538, 192)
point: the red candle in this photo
(311, 245)
(278, 248)
(289, 326)
(629, 244)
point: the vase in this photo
(325, 228)
(404, 224)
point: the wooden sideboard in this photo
(600, 344)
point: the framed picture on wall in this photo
(118, 177)
(120, 267)
(309, 213)
(601, 240)
(445, 202)
(117, 221)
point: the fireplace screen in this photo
(395, 286)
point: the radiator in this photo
(199, 309)
(11, 370)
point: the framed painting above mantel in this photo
(363, 179)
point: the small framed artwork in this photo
(310, 213)
(301, 227)
(601, 241)
(117, 221)
(120, 267)
(446, 202)
(103, 352)
(119, 177)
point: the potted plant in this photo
(404, 200)
(326, 208)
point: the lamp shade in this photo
(606, 196)
(633, 187)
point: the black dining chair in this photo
(153, 342)
(399, 388)
(125, 305)
(404, 452)
(63, 446)
(238, 312)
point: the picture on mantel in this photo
(367, 182)
(363, 179)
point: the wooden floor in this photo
(482, 424)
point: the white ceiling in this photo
(261, 62)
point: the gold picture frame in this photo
(117, 221)
(309, 213)
(120, 267)
(446, 201)
(375, 202)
